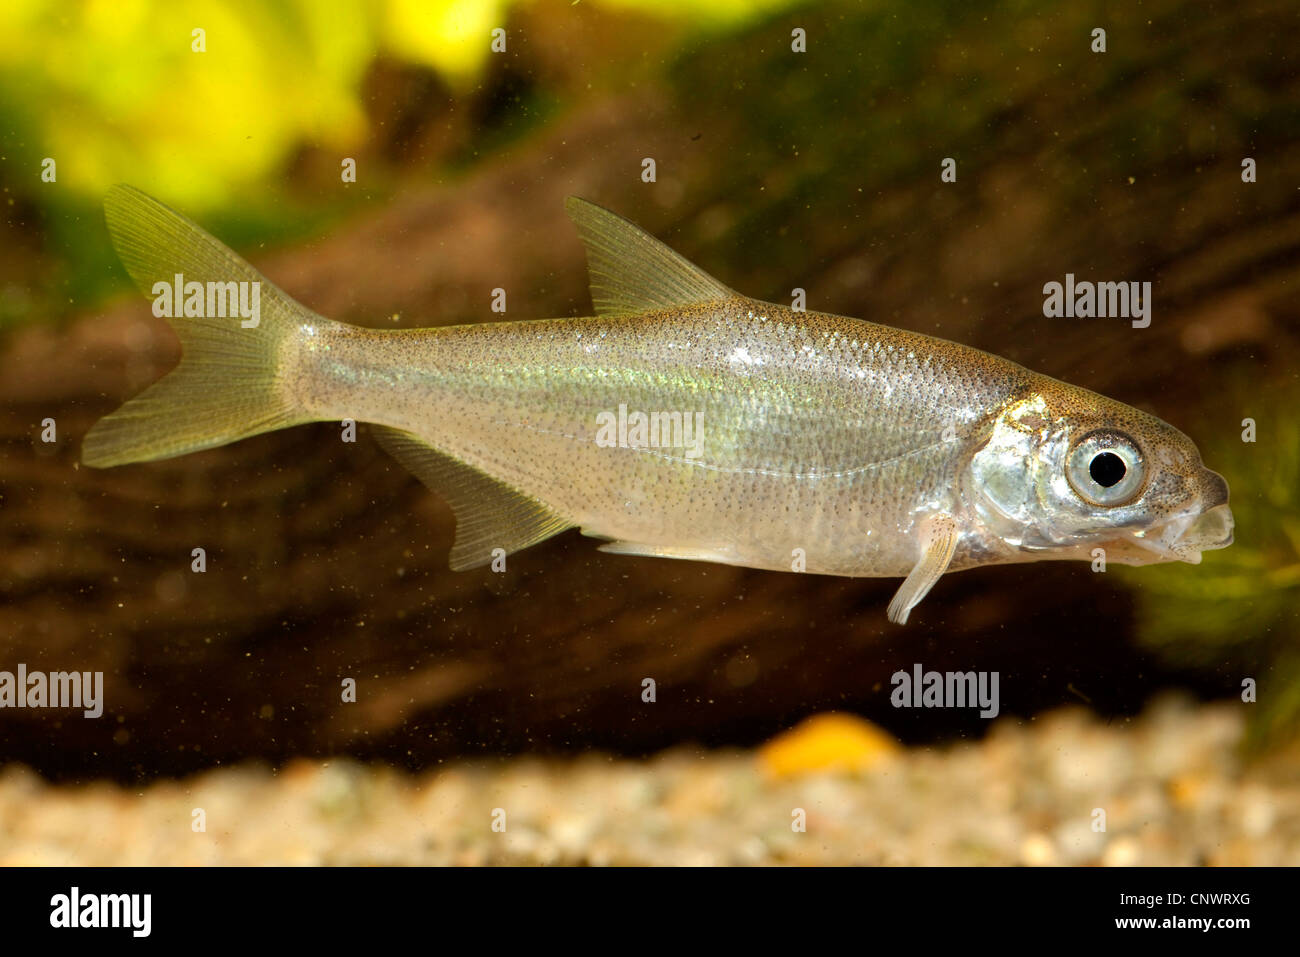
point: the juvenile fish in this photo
(683, 420)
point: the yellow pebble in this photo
(1185, 790)
(827, 742)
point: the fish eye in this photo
(1106, 468)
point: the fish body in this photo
(685, 420)
(817, 432)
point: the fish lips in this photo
(1180, 539)
(1206, 526)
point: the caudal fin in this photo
(228, 385)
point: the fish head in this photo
(1066, 471)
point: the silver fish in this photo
(757, 435)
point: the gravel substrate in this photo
(1172, 786)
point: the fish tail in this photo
(229, 384)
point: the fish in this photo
(683, 420)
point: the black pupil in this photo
(1107, 469)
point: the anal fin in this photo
(938, 543)
(489, 513)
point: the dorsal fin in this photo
(631, 271)
(489, 514)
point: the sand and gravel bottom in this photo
(1169, 787)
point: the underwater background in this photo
(775, 168)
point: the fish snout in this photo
(1208, 525)
(1212, 528)
(1216, 492)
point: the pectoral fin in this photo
(938, 542)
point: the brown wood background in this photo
(327, 561)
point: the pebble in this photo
(1172, 783)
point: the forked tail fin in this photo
(232, 323)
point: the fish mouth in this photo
(1184, 538)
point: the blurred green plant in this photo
(1237, 614)
(118, 91)
(114, 89)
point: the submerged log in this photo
(325, 561)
